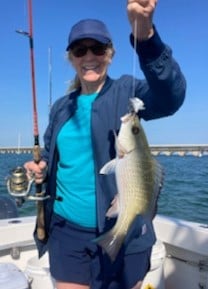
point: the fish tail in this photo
(111, 243)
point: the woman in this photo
(79, 141)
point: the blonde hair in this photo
(76, 83)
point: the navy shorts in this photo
(75, 258)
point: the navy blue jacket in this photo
(162, 92)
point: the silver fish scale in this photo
(135, 182)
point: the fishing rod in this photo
(36, 149)
(18, 185)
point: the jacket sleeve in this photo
(164, 87)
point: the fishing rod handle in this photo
(41, 234)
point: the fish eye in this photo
(135, 129)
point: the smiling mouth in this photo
(87, 68)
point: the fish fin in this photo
(108, 168)
(114, 208)
(110, 243)
(158, 184)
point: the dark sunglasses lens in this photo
(79, 51)
(98, 49)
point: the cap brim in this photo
(101, 39)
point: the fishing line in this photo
(134, 63)
(134, 59)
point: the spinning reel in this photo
(20, 187)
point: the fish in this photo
(139, 178)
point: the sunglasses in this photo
(96, 49)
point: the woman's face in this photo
(90, 59)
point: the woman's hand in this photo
(38, 171)
(140, 14)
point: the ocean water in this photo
(184, 194)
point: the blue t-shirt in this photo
(75, 174)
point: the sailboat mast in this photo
(49, 78)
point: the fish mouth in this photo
(126, 117)
(129, 116)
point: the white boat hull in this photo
(179, 259)
(186, 243)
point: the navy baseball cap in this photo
(89, 28)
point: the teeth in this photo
(90, 67)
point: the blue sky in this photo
(182, 24)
